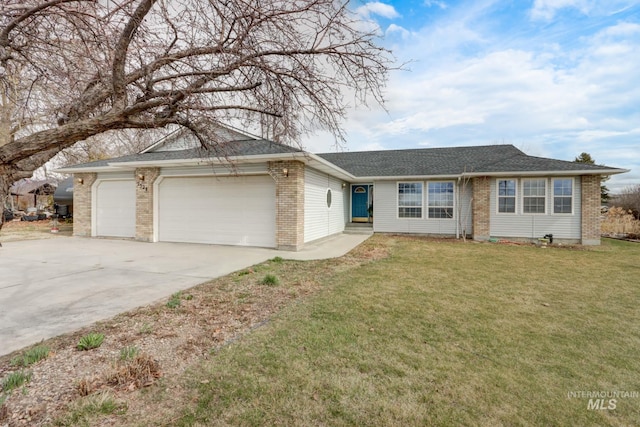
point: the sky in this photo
(555, 78)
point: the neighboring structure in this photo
(31, 193)
(63, 199)
(253, 192)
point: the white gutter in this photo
(547, 173)
(87, 170)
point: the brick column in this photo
(144, 202)
(481, 208)
(289, 204)
(82, 203)
(590, 210)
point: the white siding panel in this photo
(115, 208)
(316, 220)
(321, 220)
(338, 214)
(465, 213)
(385, 214)
(217, 210)
(535, 226)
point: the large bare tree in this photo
(70, 69)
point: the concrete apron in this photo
(53, 286)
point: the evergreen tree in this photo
(587, 159)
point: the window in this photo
(329, 198)
(507, 196)
(563, 196)
(533, 196)
(410, 200)
(440, 199)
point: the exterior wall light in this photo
(140, 177)
(80, 181)
(285, 172)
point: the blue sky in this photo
(552, 77)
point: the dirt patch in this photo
(31, 230)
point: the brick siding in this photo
(591, 210)
(289, 204)
(144, 202)
(82, 203)
(481, 208)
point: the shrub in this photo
(620, 221)
(270, 280)
(277, 259)
(89, 341)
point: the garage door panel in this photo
(116, 208)
(229, 211)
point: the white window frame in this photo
(515, 196)
(553, 195)
(398, 206)
(453, 201)
(545, 197)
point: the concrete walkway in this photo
(50, 287)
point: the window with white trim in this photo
(562, 195)
(534, 195)
(440, 199)
(409, 200)
(507, 196)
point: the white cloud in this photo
(440, 4)
(379, 9)
(396, 29)
(547, 10)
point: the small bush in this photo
(31, 356)
(270, 280)
(277, 259)
(15, 380)
(89, 341)
(141, 371)
(620, 221)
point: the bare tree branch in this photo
(73, 69)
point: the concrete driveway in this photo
(50, 287)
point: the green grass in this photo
(176, 299)
(129, 352)
(89, 408)
(31, 356)
(441, 333)
(15, 380)
(270, 280)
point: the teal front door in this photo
(360, 203)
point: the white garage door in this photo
(226, 211)
(116, 208)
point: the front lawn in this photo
(439, 333)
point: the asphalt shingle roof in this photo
(248, 147)
(448, 161)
